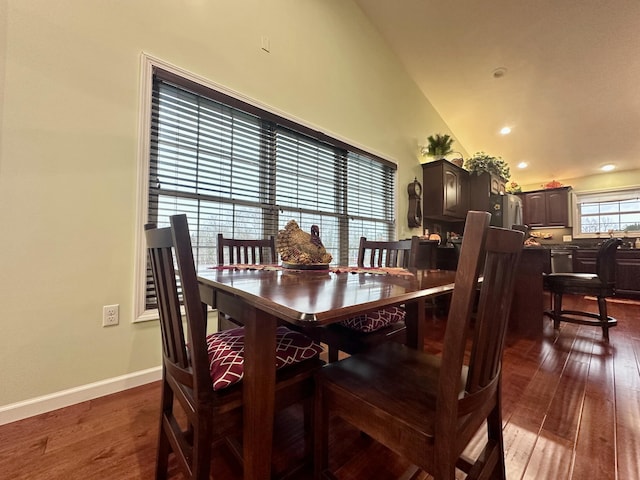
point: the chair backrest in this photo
(170, 247)
(606, 260)
(399, 254)
(498, 251)
(233, 251)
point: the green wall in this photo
(69, 105)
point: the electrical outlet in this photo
(110, 315)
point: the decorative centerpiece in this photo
(438, 146)
(299, 249)
(481, 163)
(553, 184)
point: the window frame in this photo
(603, 196)
(150, 66)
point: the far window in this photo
(612, 211)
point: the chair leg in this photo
(321, 436)
(162, 456)
(202, 442)
(557, 309)
(604, 317)
(333, 354)
(164, 448)
(490, 462)
(494, 431)
(308, 405)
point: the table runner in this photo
(372, 270)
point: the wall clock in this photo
(414, 216)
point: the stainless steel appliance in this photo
(561, 260)
(505, 210)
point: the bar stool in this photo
(601, 284)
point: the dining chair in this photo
(601, 285)
(394, 254)
(202, 374)
(457, 247)
(363, 332)
(236, 251)
(428, 408)
(233, 251)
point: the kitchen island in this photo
(528, 298)
(527, 308)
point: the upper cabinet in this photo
(481, 187)
(446, 191)
(547, 208)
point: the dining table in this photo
(262, 298)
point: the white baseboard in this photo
(46, 403)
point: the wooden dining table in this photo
(262, 298)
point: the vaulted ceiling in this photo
(564, 75)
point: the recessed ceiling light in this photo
(608, 167)
(523, 165)
(505, 130)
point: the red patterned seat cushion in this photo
(226, 353)
(373, 321)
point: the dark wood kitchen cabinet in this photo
(627, 269)
(481, 187)
(445, 191)
(628, 273)
(547, 208)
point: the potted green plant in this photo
(481, 163)
(438, 146)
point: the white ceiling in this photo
(571, 92)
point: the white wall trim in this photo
(142, 184)
(46, 403)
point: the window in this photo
(242, 171)
(601, 212)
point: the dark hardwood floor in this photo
(571, 411)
